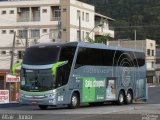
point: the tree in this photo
(100, 39)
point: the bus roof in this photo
(85, 44)
(103, 46)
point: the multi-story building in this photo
(149, 47)
(38, 21)
(158, 65)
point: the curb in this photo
(138, 102)
(8, 105)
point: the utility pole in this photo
(27, 42)
(12, 55)
(79, 28)
(135, 38)
(11, 64)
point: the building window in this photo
(3, 52)
(35, 33)
(11, 11)
(87, 17)
(22, 34)
(20, 54)
(44, 30)
(78, 14)
(87, 35)
(53, 34)
(83, 16)
(44, 11)
(64, 30)
(24, 14)
(152, 64)
(3, 31)
(64, 9)
(152, 52)
(11, 31)
(10, 52)
(57, 13)
(3, 12)
(148, 52)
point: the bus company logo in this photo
(96, 71)
(126, 77)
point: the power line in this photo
(137, 26)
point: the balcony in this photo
(55, 18)
(26, 19)
(103, 30)
(28, 14)
(35, 14)
(55, 13)
(23, 16)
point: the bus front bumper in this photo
(43, 101)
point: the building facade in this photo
(158, 65)
(40, 21)
(149, 47)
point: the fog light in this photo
(52, 101)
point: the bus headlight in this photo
(51, 95)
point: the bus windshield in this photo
(37, 80)
(41, 55)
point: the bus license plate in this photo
(34, 102)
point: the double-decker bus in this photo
(77, 72)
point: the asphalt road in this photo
(146, 111)
(154, 95)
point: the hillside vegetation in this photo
(130, 15)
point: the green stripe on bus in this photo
(56, 65)
(14, 67)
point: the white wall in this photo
(86, 26)
(75, 21)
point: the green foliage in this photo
(100, 39)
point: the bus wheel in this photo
(43, 107)
(75, 101)
(129, 98)
(121, 98)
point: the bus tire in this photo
(121, 98)
(75, 101)
(129, 97)
(43, 107)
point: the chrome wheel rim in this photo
(129, 97)
(121, 99)
(74, 100)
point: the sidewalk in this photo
(12, 104)
(153, 85)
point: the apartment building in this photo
(157, 66)
(149, 47)
(39, 21)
